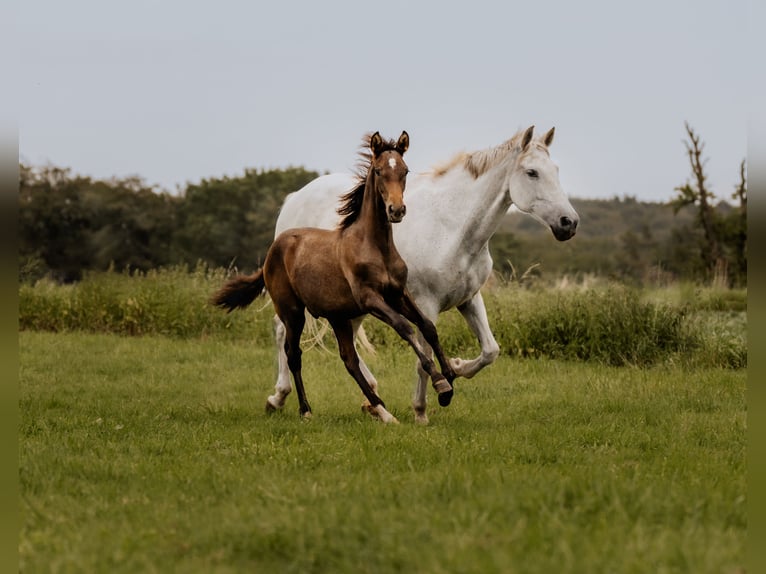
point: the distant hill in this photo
(618, 237)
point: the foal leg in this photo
(428, 331)
(378, 307)
(356, 324)
(344, 333)
(294, 323)
(283, 386)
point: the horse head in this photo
(389, 173)
(534, 187)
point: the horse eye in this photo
(377, 171)
(533, 173)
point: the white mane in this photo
(479, 162)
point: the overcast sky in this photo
(176, 91)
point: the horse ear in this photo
(548, 139)
(376, 142)
(527, 137)
(404, 143)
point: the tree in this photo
(231, 220)
(70, 224)
(697, 194)
(734, 229)
(723, 251)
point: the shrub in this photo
(172, 302)
(611, 325)
(608, 323)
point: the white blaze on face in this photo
(392, 162)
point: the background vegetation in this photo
(69, 225)
(599, 321)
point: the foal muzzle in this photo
(396, 214)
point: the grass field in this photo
(154, 454)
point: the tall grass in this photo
(607, 323)
(171, 302)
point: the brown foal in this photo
(346, 273)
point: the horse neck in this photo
(482, 205)
(373, 220)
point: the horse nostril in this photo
(565, 222)
(394, 211)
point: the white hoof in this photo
(421, 419)
(273, 404)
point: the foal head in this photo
(384, 170)
(388, 173)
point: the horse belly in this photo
(325, 294)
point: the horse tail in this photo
(240, 291)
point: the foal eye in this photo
(533, 173)
(377, 171)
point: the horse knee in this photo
(491, 354)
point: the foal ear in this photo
(404, 143)
(376, 142)
(527, 137)
(548, 139)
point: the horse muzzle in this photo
(396, 213)
(565, 228)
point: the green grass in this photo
(154, 454)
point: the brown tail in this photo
(239, 291)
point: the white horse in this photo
(452, 213)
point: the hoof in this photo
(389, 419)
(421, 419)
(370, 410)
(380, 413)
(306, 416)
(270, 409)
(441, 386)
(446, 398)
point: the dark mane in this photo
(351, 201)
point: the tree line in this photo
(70, 224)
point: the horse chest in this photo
(389, 277)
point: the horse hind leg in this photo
(293, 328)
(283, 386)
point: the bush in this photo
(612, 326)
(172, 302)
(609, 324)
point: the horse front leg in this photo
(374, 304)
(283, 386)
(410, 310)
(475, 314)
(373, 382)
(344, 334)
(419, 401)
